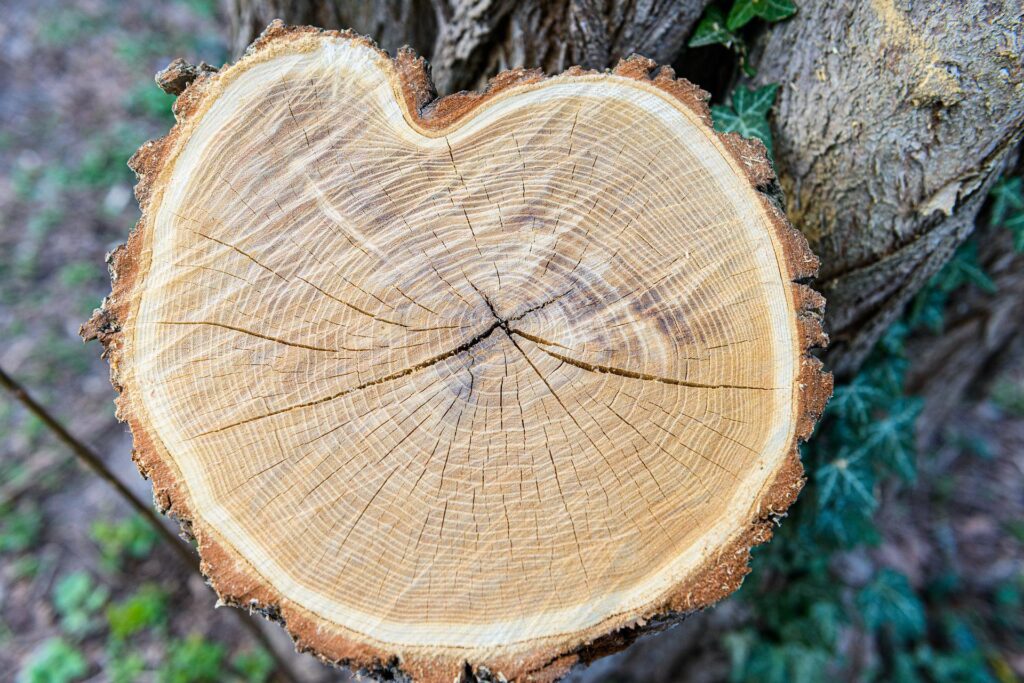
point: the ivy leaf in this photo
(1007, 200)
(1008, 209)
(748, 114)
(847, 478)
(889, 601)
(712, 30)
(55, 661)
(964, 269)
(769, 10)
(856, 400)
(754, 102)
(1016, 226)
(893, 438)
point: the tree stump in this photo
(489, 383)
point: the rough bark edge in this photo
(238, 584)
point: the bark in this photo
(468, 41)
(890, 126)
(391, 23)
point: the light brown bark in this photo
(889, 128)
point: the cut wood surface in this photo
(466, 383)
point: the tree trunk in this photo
(892, 121)
(889, 129)
(468, 41)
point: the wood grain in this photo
(473, 382)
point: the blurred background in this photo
(931, 589)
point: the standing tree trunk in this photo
(890, 127)
(468, 41)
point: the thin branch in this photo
(92, 460)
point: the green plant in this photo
(718, 28)
(1009, 395)
(19, 527)
(865, 442)
(255, 666)
(124, 667)
(25, 567)
(77, 600)
(78, 273)
(193, 660)
(149, 101)
(747, 114)
(145, 609)
(888, 602)
(1008, 208)
(129, 538)
(55, 661)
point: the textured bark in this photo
(889, 127)
(468, 41)
(391, 23)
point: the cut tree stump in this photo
(485, 384)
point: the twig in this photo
(92, 460)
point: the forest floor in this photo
(85, 588)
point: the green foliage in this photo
(145, 609)
(1009, 395)
(55, 661)
(713, 30)
(743, 11)
(150, 101)
(1008, 208)
(77, 599)
(193, 660)
(865, 442)
(130, 538)
(889, 602)
(255, 666)
(747, 114)
(125, 667)
(19, 527)
(717, 28)
(78, 273)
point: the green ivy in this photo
(19, 527)
(254, 666)
(717, 28)
(193, 660)
(1008, 208)
(747, 114)
(865, 440)
(145, 609)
